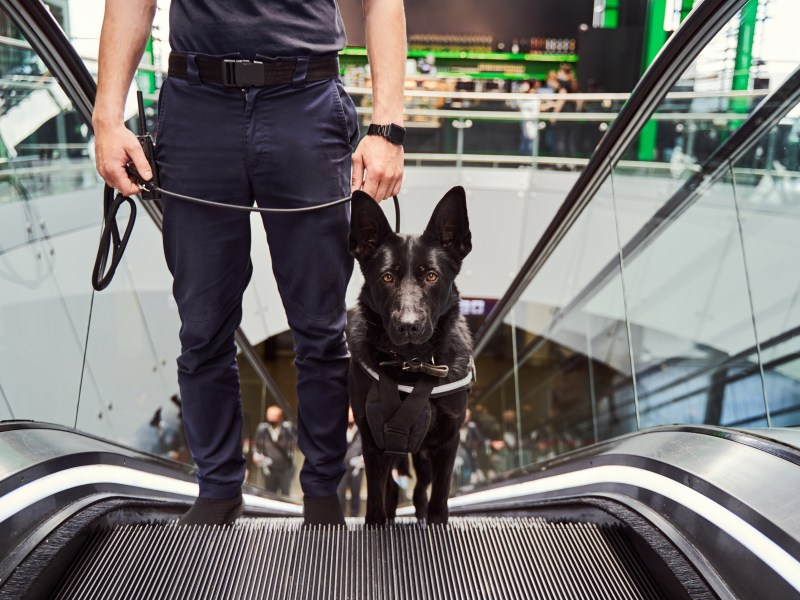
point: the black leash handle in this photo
(110, 240)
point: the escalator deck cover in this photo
(474, 557)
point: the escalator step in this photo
(471, 558)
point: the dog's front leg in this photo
(422, 467)
(377, 467)
(443, 457)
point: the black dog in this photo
(408, 334)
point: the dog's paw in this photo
(373, 521)
(437, 518)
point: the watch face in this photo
(396, 134)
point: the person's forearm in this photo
(386, 47)
(126, 29)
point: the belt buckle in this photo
(243, 73)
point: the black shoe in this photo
(213, 511)
(324, 510)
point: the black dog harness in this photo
(398, 425)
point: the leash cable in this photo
(112, 242)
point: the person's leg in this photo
(341, 491)
(286, 482)
(355, 494)
(200, 152)
(273, 482)
(301, 156)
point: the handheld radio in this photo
(149, 192)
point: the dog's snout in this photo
(412, 328)
(409, 327)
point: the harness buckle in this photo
(243, 73)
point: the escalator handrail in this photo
(702, 24)
(47, 39)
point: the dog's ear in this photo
(368, 226)
(449, 224)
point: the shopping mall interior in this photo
(632, 175)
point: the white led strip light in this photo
(783, 563)
(44, 487)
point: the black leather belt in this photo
(245, 73)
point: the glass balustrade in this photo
(673, 298)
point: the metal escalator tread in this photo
(471, 558)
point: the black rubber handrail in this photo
(47, 39)
(683, 47)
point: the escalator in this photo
(672, 512)
(275, 558)
(668, 512)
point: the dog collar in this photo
(439, 390)
(415, 365)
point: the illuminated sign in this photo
(477, 307)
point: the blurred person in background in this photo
(354, 463)
(274, 451)
(471, 454)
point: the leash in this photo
(113, 244)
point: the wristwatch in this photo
(394, 133)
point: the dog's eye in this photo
(431, 277)
(388, 278)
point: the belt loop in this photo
(300, 72)
(192, 74)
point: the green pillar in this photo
(654, 39)
(744, 54)
(686, 8)
(654, 34)
(147, 79)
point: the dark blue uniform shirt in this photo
(250, 27)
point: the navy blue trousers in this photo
(278, 146)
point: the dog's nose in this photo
(408, 327)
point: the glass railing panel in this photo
(45, 148)
(767, 185)
(42, 331)
(131, 384)
(494, 429)
(586, 383)
(131, 350)
(688, 304)
(560, 367)
(49, 195)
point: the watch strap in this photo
(393, 133)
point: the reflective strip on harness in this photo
(439, 390)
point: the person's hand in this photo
(114, 147)
(383, 163)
